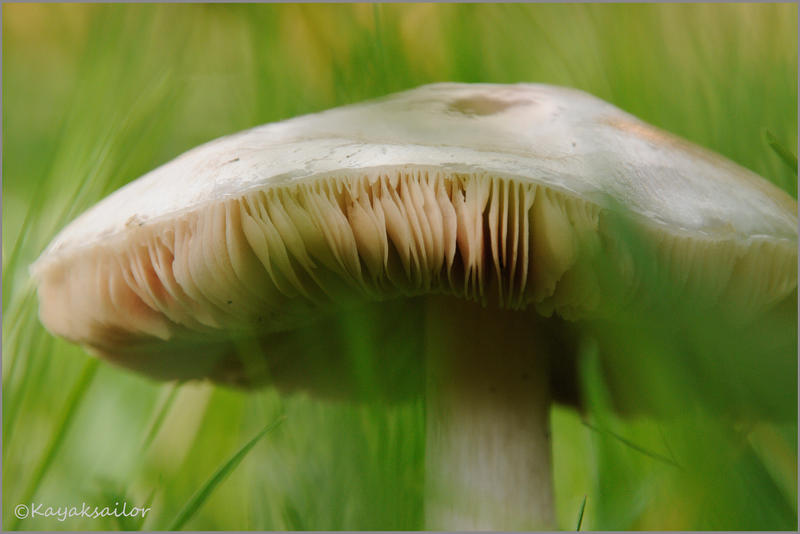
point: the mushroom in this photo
(476, 214)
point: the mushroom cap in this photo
(496, 193)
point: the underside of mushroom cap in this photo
(498, 194)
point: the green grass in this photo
(94, 96)
(62, 426)
(201, 496)
(580, 514)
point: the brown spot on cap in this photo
(483, 105)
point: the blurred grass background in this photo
(96, 95)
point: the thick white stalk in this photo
(488, 458)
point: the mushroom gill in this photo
(280, 257)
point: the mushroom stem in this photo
(488, 458)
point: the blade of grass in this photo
(784, 153)
(148, 503)
(633, 446)
(162, 408)
(32, 212)
(17, 396)
(666, 444)
(200, 497)
(70, 409)
(17, 322)
(17, 327)
(158, 417)
(580, 514)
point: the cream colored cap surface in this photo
(553, 136)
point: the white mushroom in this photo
(481, 203)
